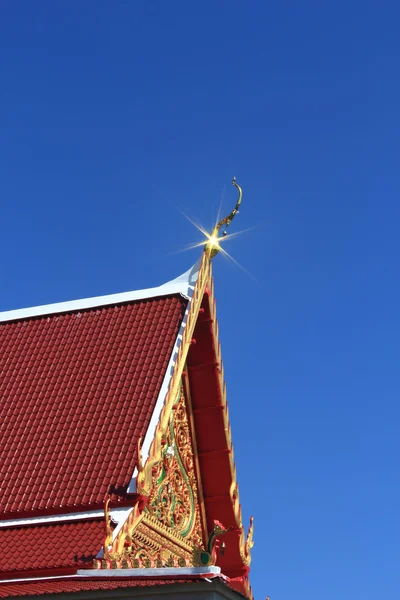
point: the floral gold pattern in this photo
(168, 531)
(174, 496)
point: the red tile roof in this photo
(77, 390)
(56, 586)
(72, 545)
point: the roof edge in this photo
(183, 284)
(152, 573)
(118, 516)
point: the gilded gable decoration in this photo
(167, 531)
(173, 500)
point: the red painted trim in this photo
(213, 445)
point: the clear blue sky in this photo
(113, 114)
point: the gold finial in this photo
(109, 534)
(212, 245)
(249, 539)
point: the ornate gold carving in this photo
(245, 552)
(209, 557)
(115, 550)
(109, 534)
(145, 475)
(154, 545)
(173, 499)
(168, 530)
(122, 544)
(213, 246)
(146, 543)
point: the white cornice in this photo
(181, 285)
(118, 515)
(164, 572)
(175, 572)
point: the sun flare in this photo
(212, 241)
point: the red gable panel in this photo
(72, 545)
(77, 390)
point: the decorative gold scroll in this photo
(168, 531)
(173, 499)
(247, 545)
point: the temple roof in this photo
(82, 385)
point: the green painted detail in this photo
(165, 494)
(186, 531)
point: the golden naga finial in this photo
(212, 246)
(249, 539)
(109, 534)
(247, 543)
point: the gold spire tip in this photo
(212, 246)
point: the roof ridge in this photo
(183, 284)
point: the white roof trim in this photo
(163, 572)
(181, 285)
(155, 417)
(118, 515)
(50, 578)
(90, 514)
(134, 573)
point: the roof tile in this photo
(28, 547)
(72, 381)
